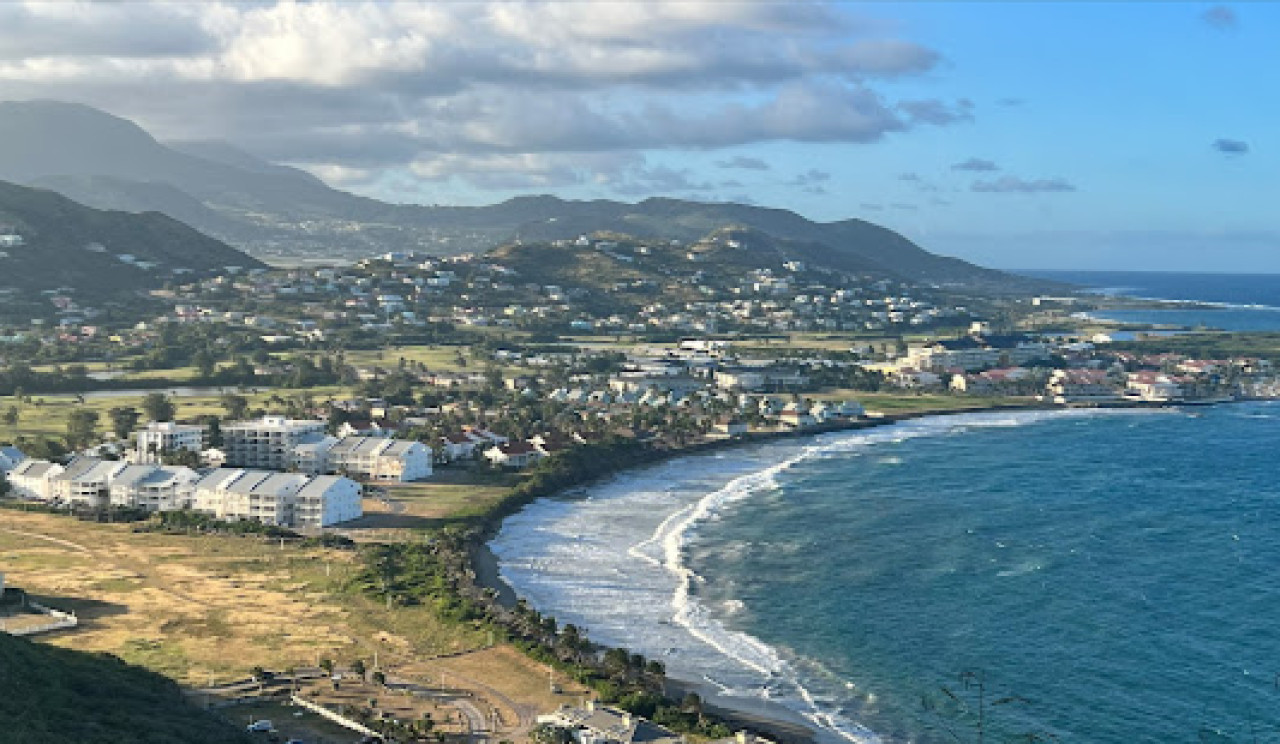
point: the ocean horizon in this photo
(1236, 302)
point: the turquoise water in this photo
(1112, 575)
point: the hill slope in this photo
(50, 694)
(99, 254)
(106, 161)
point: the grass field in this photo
(898, 402)
(196, 608)
(47, 415)
(208, 609)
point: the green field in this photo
(900, 402)
(46, 415)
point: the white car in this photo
(263, 726)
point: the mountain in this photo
(48, 241)
(275, 211)
(50, 694)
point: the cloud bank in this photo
(563, 92)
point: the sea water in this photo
(1235, 302)
(1109, 576)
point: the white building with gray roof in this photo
(378, 459)
(283, 499)
(86, 481)
(153, 487)
(33, 479)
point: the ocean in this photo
(1109, 576)
(1242, 302)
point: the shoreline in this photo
(771, 719)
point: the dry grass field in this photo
(209, 607)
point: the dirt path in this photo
(47, 538)
(137, 568)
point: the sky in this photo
(1084, 135)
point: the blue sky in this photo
(1088, 135)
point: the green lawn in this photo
(903, 402)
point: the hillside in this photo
(274, 211)
(98, 254)
(50, 694)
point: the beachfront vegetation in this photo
(439, 574)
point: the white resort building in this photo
(267, 442)
(284, 499)
(161, 437)
(153, 488)
(378, 459)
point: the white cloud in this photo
(347, 88)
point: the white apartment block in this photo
(153, 488)
(86, 481)
(230, 494)
(33, 479)
(326, 500)
(268, 442)
(377, 459)
(167, 436)
(312, 457)
(368, 458)
(284, 499)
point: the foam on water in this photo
(616, 563)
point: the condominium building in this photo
(284, 499)
(166, 436)
(312, 457)
(33, 479)
(85, 481)
(267, 442)
(377, 459)
(232, 493)
(326, 500)
(367, 458)
(152, 487)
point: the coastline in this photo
(769, 718)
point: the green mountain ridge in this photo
(275, 211)
(99, 254)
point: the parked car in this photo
(263, 726)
